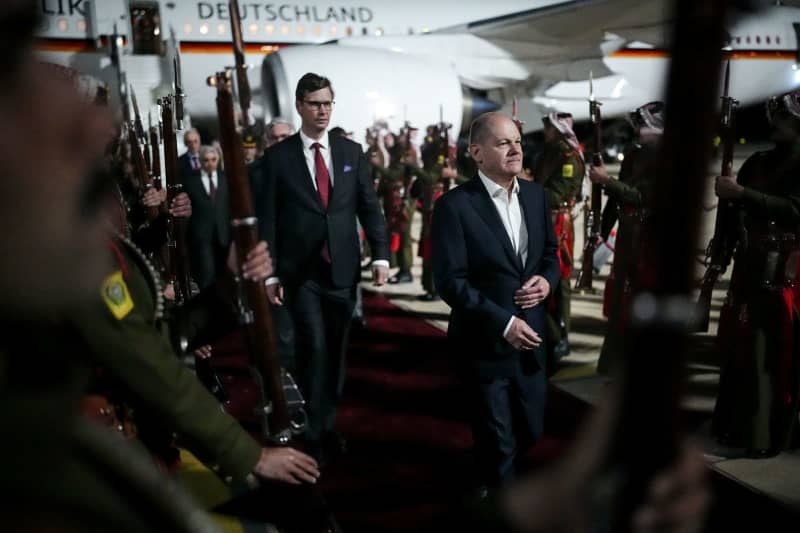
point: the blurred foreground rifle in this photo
(444, 148)
(592, 222)
(242, 83)
(718, 252)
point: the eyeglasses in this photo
(316, 106)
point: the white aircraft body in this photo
(411, 60)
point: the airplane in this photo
(414, 61)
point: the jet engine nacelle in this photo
(370, 85)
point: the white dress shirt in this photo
(206, 179)
(510, 212)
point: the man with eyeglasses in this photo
(315, 185)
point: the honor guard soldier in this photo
(627, 201)
(758, 336)
(560, 170)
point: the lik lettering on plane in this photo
(63, 7)
(285, 12)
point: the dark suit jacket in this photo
(477, 272)
(294, 222)
(209, 227)
(185, 168)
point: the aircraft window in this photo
(316, 30)
(364, 31)
(349, 31)
(285, 29)
(777, 39)
(269, 28)
(187, 29)
(748, 39)
(63, 24)
(758, 39)
(379, 32)
(81, 25)
(301, 30)
(769, 41)
(204, 29)
(146, 22)
(738, 40)
(332, 30)
(222, 28)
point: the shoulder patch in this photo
(568, 170)
(116, 295)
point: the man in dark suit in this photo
(209, 232)
(189, 164)
(315, 185)
(494, 256)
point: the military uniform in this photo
(759, 331)
(628, 197)
(398, 208)
(120, 336)
(560, 170)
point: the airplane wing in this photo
(565, 40)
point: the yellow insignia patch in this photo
(116, 295)
(567, 171)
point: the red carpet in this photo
(403, 415)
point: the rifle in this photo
(517, 121)
(592, 222)
(444, 147)
(177, 266)
(718, 251)
(155, 158)
(139, 161)
(242, 83)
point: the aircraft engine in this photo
(371, 85)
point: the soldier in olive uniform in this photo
(398, 208)
(758, 337)
(560, 170)
(628, 197)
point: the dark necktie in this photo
(212, 189)
(195, 162)
(324, 187)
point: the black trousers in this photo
(507, 418)
(322, 317)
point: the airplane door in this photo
(146, 28)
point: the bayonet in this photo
(137, 121)
(242, 83)
(179, 95)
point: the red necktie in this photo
(324, 187)
(322, 176)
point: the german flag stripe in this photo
(645, 53)
(189, 47)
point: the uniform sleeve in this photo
(369, 211)
(135, 353)
(565, 181)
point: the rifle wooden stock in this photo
(140, 171)
(273, 408)
(178, 257)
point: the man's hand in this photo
(181, 206)
(380, 274)
(727, 188)
(532, 293)
(152, 197)
(275, 294)
(169, 292)
(203, 352)
(287, 465)
(521, 336)
(599, 174)
(257, 265)
(678, 498)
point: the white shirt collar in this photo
(308, 141)
(496, 190)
